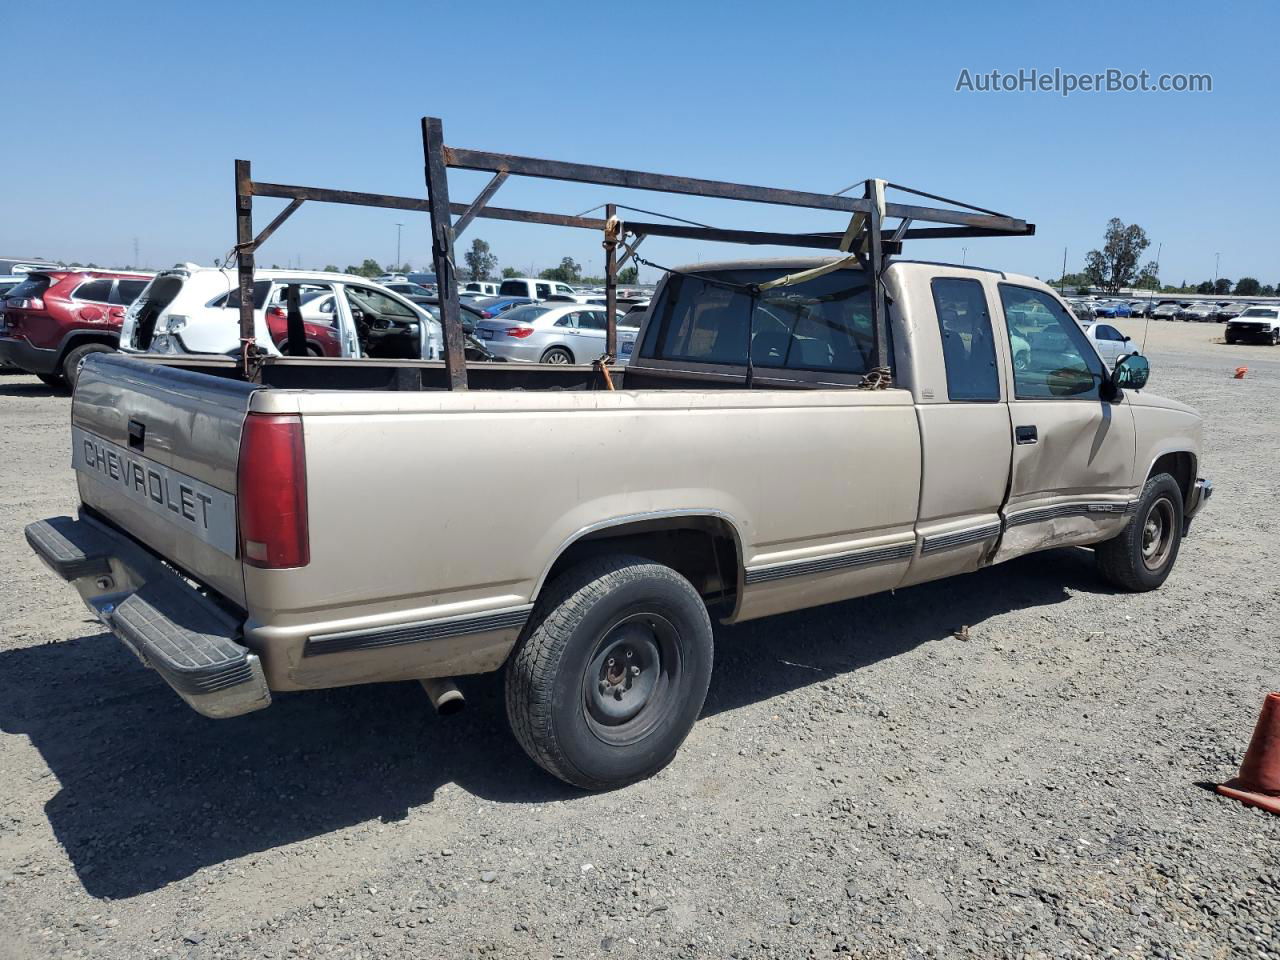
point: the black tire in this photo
(74, 360)
(52, 379)
(557, 355)
(1142, 556)
(572, 701)
(1275, 338)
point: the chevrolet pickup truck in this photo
(250, 538)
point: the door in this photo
(1073, 452)
(1111, 343)
(964, 431)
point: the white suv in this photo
(194, 309)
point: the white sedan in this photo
(1110, 343)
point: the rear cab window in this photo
(821, 326)
(513, 288)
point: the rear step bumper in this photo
(172, 627)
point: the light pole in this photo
(397, 264)
(1217, 257)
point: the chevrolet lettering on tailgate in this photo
(202, 510)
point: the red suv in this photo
(56, 318)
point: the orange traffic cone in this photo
(1258, 783)
(1240, 372)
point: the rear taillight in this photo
(519, 332)
(28, 303)
(486, 315)
(272, 493)
(277, 313)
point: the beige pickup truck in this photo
(340, 524)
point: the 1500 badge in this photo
(198, 508)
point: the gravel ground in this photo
(863, 782)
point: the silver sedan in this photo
(553, 333)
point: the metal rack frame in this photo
(866, 237)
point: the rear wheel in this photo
(557, 355)
(610, 679)
(1141, 557)
(73, 362)
(1275, 337)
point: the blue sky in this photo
(124, 120)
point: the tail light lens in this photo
(272, 493)
(519, 332)
(486, 314)
(28, 303)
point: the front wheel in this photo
(1141, 557)
(612, 673)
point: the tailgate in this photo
(155, 450)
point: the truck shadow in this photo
(28, 388)
(149, 792)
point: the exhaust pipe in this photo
(445, 695)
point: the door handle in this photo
(1027, 434)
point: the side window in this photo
(542, 290)
(968, 345)
(375, 301)
(568, 320)
(127, 291)
(1059, 361)
(1106, 332)
(592, 320)
(99, 291)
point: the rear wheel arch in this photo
(78, 338)
(703, 547)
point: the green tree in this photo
(1147, 278)
(1248, 287)
(331, 268)
(1205, 286)
(569, 271)
(1223, 285)
(1116, 264)
(629, 275)
(480, 261)
(509, 272)
(369, 268)
(1267, 290)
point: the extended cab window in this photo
(968, 346)
(1059, 360)
(823, 324)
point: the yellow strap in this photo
(857, 224)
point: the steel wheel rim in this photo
(628, 685)
(1157, 534)
(556, 356)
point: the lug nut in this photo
(629, 654)
(635, 671)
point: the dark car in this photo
(54, 319)
(415, 292)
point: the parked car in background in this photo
(1140, 308)
(1166, 310)
(1082, 310)
(561, 333)
(1110, 309)
(1229, 311)
(1110, 343)
(194, 309)
(1199, 313)
(493, 306)
(535, 289)
(480, 288)
(54, 319)
(9, 282)
(1257, 324)
(391, 278)
(414, 292)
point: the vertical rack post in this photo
(874, 192)
(249, 367)
(611, 280)
(437, 174)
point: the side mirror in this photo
(1132, 371)
(1125, 339)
